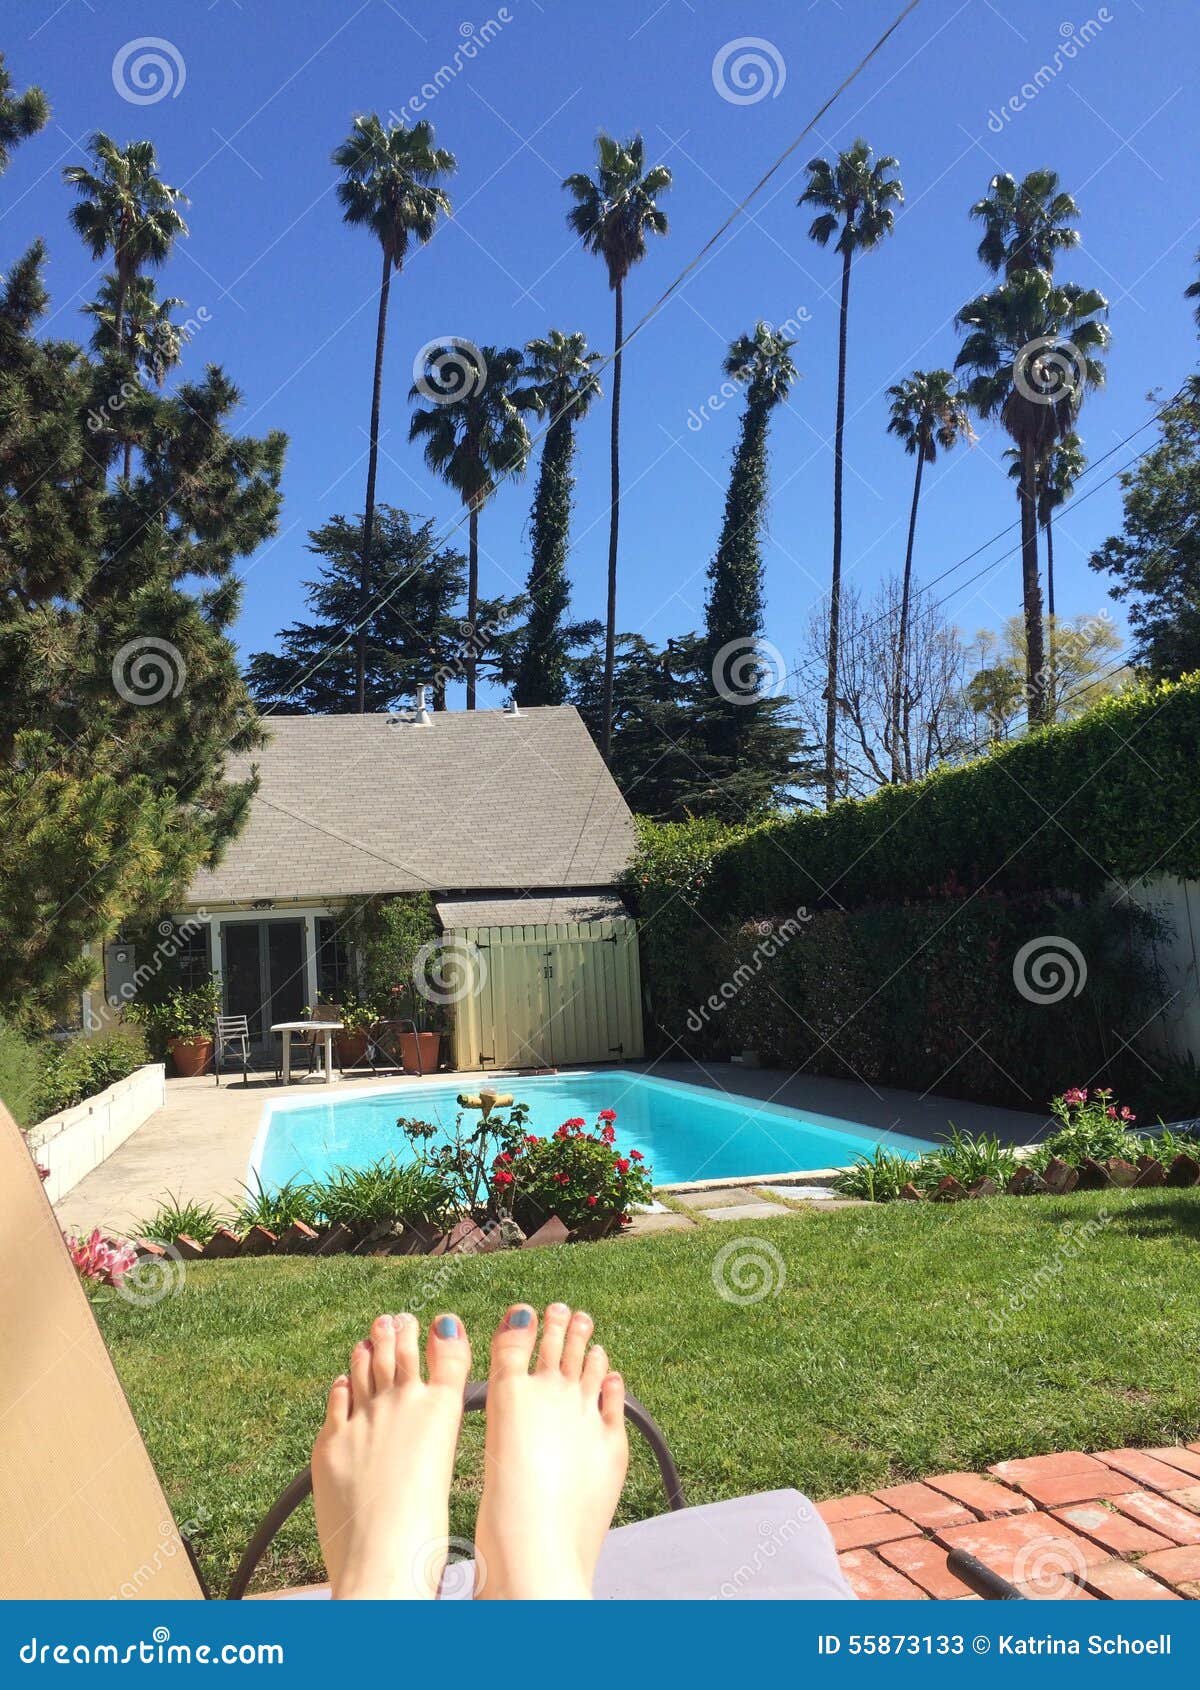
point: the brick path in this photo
(1122, 1524)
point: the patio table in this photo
(326, 1028)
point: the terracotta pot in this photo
(190, 1056)
(419, 1052)
(351, 1047)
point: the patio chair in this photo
(85, 1516)
(232, 1032)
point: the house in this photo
(508, 818)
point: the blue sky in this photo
(268, 88)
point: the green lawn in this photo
(893, 1350)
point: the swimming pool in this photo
(685, 1132)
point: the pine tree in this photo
(414, 634)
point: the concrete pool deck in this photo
(197, 1147)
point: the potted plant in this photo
(183, 1022)
(357, 1016)
(399, 940)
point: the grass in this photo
(901, 1344)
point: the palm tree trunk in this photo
(835, 588)
(472, 599)
(902, 632)
(364, 574)
(1031, 587)
(610, 631)
(1050, 614)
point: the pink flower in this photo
(96, 1258)
(1111, 1113)
(1127, 1114)
(1074, 1095)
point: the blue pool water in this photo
(685, 1132)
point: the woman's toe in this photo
(337, 1409)
(383, 1352)
(612, 1402)
(512, 1342)
(447, 1351)
(408, 1347)
(554, 1331)
(595, 1368)
(360, 1371)
(579, 1330)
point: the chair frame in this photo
(225, 1034)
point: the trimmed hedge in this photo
(926, 996)
(1116, 792)
(919, 899)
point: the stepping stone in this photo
(665, 1220)
(751, 1211)
(800, 1193)
(718, 1197)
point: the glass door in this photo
(263, 966)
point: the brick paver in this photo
(1123, 1525)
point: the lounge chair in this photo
(85, 1516)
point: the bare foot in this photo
(384, 1460)
(554, 1459)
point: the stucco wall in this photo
(77, 1140)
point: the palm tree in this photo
(1193, 292)
(1032, 353)
(148, 336)
(926, 413)
(1026, 224)
(613, 213)
(125, 208)
(562, 370)
(1057, 472)
(856, 197)
(474, 436)
(390, 186)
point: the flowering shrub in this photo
(1093, 1124)
(579, 1176)
(466, 1166)
(98, 1260)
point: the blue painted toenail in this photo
(447, 1326)
(520, 1317)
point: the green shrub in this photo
(77, 1069)
(276, 1209)
(877, 1178)
(967, 1157)
(20, 1075)
(1091, 1124)
(385, 1191)
(182, 1014)
(173, 1217)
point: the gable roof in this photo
(568, 908)
(478, 801)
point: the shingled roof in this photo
(477, 801)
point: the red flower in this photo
(608, 1115)
(592, 1201)
(502, 1178)
(622, 1164)
(532, 1138)
(637, 1155)
(503, 1158)
(625, 1219)
(608, 1134)
(576, 1122)
(562, 1179)
(561, 1132)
